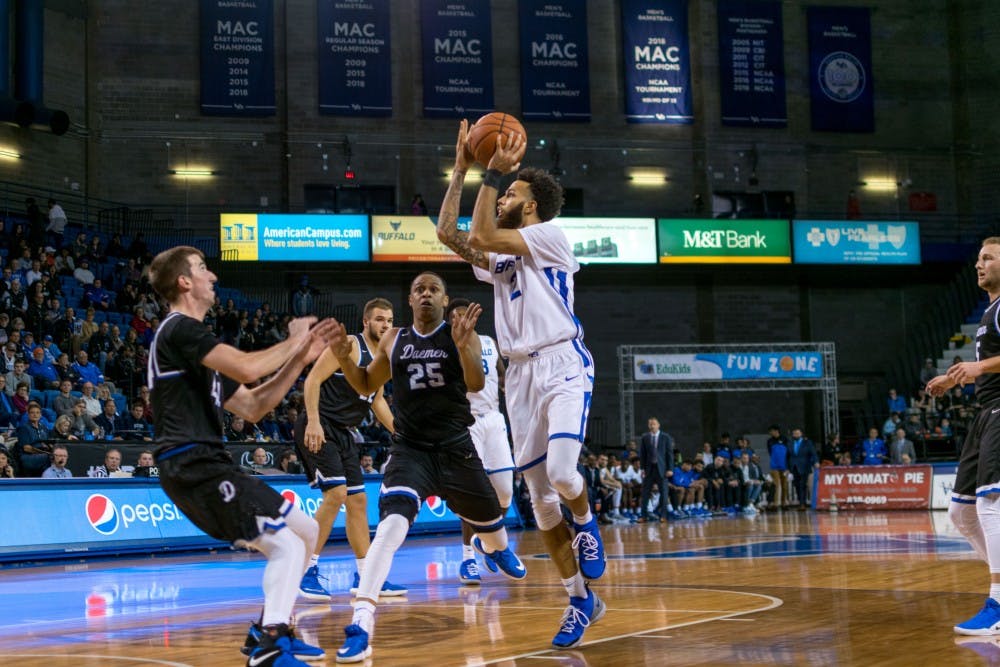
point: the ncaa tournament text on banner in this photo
(555, 77)
(237, 58)
(656, 60)
(457, 47)
(355, 67)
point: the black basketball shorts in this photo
(218, 497)
(454, 473)
(979, 463)
(337, 462)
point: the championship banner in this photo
(411, 238)
(728, 366)
(701, 241)
(874, 487)
(355, 67)
(294, 238)
(237, 58)
(457, 46)
(657, 61)
(610, 240)
(856, 242)
(752, 64)
(841, 91)
(555, 77)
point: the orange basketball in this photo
(483, 135)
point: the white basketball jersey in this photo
(488, 398)
(533, 295)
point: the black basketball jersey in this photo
(428, 386)
(987, 346)
(339, 403)
(187, 397)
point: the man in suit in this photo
(802, 460)
(656, 456)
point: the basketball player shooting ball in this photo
(551, 373)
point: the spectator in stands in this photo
(33, 274)
(872, 450)
(21, 398)
(802, 461)
(109, 421)
(88, 327)
(146, 339)
(94, 250)
(27, 345)
(126, 369)
(134, 426)
(145, 466)
(926, 405)
(303, 299)
(15, 300)
(899, 446)
(287, 424)
(93, 405)
(64, 263)
(831, 450)
(115, 248)
(50, 348)
(58, 469)
(95, 296)
(368, 465)
(82, 424)
(890, 424)
(895, 402)
(99, 345)
(17, 376)
(63, 428)
(777, 448)
(66, 370)
(88, 372)
(79, 246)
(82, 273)
(928, 372)
(752, 483)
(845, 459)
(236, 430)
(914, 427)
(139, 321)
(67, 330)
(138, 248)
(57, 224)
(8, 358)
(31, 454)
(288, 462)
(945, 427)
(43, 372)
(262, 462)
(9, 415)
(112, 465)
(128, 297)
(6, 470)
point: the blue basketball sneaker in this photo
(590, 549)
(355, 648)
(388, 590)
(579, 615)
(986, 622)
(468, 572)
(507, 561)
(310, 588)
(296, 648)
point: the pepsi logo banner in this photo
(752, 64)
(841, 85)
(555, 78)
(657, 61)
(457, 47)
(237, 58)
(355, 67)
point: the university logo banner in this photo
(841, 88)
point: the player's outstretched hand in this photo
(965, 372)
(463, 156)
(939, 385)
(464, 327)
(319, 339)
(299, 327)
(510, 150)
(339, 342)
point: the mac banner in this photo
(751, 64)
(657, 61)
(458, 58)
(355, 71)
(555, 79)
(841, 89)
(237, 58)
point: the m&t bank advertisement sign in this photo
(729, 366)
(699, 241)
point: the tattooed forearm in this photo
(447, 227)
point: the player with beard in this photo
(332, 459)
(975, 498)
(432, 364)
(550, 375)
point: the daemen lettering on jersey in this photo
(409, 353)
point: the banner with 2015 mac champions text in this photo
(657, 61)
(237, 58)
(355, 70)
(841, 85)
(555, 79)
(457, 49)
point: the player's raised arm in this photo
(365, 380)
(447, 226)
(487, 233)
(246, 367)
(470, 350)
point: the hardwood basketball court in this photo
(794, 588)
